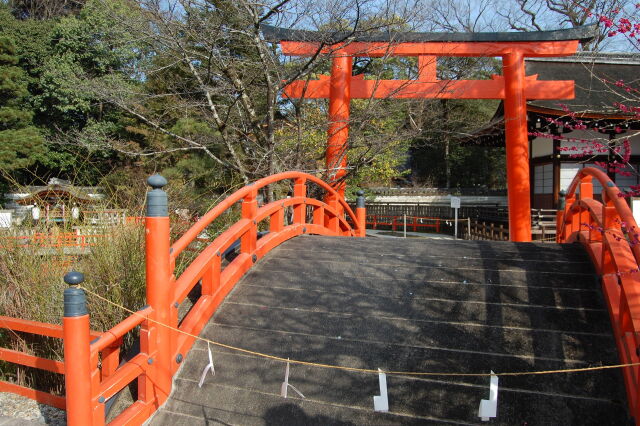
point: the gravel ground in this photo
(19, 407)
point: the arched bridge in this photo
(423, 322)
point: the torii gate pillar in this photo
(339, 108)
(517, 147)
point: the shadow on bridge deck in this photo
(410, 305)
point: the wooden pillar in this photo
(556, 173)
(158, 277)
(77, 353)
(339, 107)
(532, 168)
(518, 187)
(427, 68)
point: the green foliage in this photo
(380, 163)
(18, 148)
(448, 122)
(384, 161)
(20, 141)
(55, 57)
(88, 45)
(80, 76)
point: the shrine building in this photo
(567, 135)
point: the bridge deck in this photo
(463, 306)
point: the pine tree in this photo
(20, 141)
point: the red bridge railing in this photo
(32, 361)
(609, 232)
(92, 368)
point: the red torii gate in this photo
(513, 87)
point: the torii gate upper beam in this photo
(513, 87)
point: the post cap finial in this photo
(75, 300)
(74, 278)
(157, 202)
(156, 181)
(360, 203)
(562, 199)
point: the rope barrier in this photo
(363, 370)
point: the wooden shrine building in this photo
(60, 203)
(566, 135)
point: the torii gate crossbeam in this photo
(513, 87)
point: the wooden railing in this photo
(16, 325)
(396, 223)
(476, 230)
(91, 366)
(609, 233)
(490, 213)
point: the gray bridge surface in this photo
(454, 306)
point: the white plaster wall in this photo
(541, 147)
(569, 170)
(635, 208)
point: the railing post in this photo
(361, 215)
(276, 221)
(300, 210)
(111, 359)
(159, 291)
(77, 353)
(560, 216)
(249, 240)
(586, 187)
(610, 223)
(337, 207)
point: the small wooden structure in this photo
(60, 202)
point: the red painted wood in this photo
(601, 229)
(159, 297)
(189, 236)
(27, 360)
(135, 414)
(515, 122)
(442, 89)
(33, 327)
(90, 385)
(123, 376)
(338, 131)
(77, 362)
(41, 397)
(458, 49)
(427, 67)
(116, 333)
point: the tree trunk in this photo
(447, 141)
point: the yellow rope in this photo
(361, 370)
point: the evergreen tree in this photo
(20, 141)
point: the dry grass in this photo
(31, 287)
